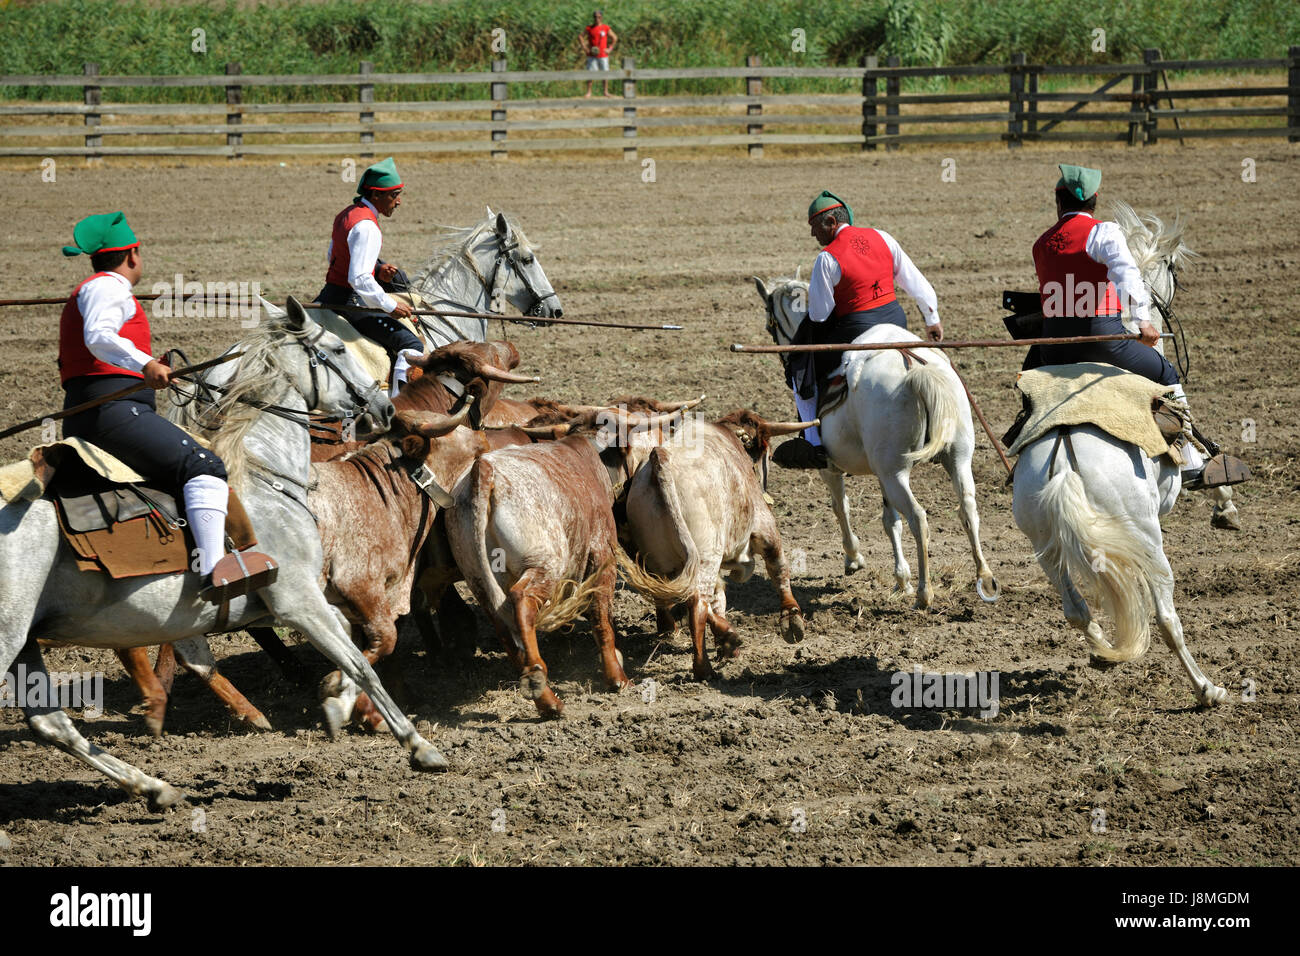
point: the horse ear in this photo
(296, 315)
(503, 228)
(490, 213)
(797, 270)
(761, 286)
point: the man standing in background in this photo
(598, 40)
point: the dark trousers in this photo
(805, 370)
(1130, 355)
(131, 429)
(388, 332)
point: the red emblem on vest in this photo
(75, 359)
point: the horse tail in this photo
(1105, 556)
(679, 588)
(933, 389)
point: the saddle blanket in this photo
(110, 519)
(1092, 393)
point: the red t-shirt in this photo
(598, 38)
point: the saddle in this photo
(131, 530)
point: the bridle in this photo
(316, 356)
(508, 255)
(1182, 358)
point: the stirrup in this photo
(1219, 471)
(237, 574)
(801, 453)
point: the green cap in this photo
(1080, 181)
(828, 200)
(105, 232)
(382, 175)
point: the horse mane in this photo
(1150, 239)
(257, 376)
(456, 242)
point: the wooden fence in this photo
(1022, 112)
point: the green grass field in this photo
(136, 37)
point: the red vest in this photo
(866, 270)
(75, 359)
(340, 256)
(1078, 284)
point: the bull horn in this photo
(434, 424)
(680, 406)
(649, 422)
(545, 431)
(789, 428)
(492, 373)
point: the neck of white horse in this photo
(456, 286)
(281, 448)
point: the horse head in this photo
(326, 374)
(480, 267)
(1159, 251)
(786, 302)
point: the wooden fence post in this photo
(91, 97)
(1150, 87)
(754, 87)
(1031, 101)
(499, 95)
(1293, 94)
(869, 88)
(366, 97)
(892, 86)
(234, 97)
(629, 109)
(1015, 101)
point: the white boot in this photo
(1192, 459)
(206, 499)
(401, 369)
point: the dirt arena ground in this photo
(724, 773)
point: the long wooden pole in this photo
(968, 344)
(430, 312)
(113, 396)
(997, 445)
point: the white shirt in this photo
(826, 275)
(1106, 245)
(363, 251)
(106, 304)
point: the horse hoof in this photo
(924, 599)
(1213, 695)
(336, 716)
(532, 683)
(989, 597)
(1225, 522)
(426, 757)
(793, 632)
(164, 797)
(851, 566)
(260, 722)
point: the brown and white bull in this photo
(696, 509)
(532, 529)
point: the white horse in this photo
(292, 364)
(1091, 505)
(1159, 251)
(476, 269)
(893, 418)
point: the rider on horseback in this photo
(358, 277)
(1086, 276)
(851, 289)
(105, 345)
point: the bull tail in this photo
(680, 587)
(570, 599)
(480, 510)
(933, 389)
